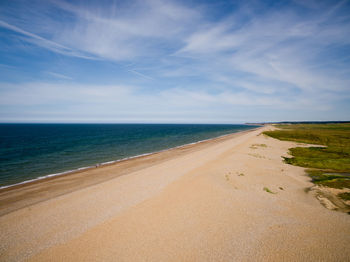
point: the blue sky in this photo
(174, 61)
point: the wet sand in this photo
(203, 202)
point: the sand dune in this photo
(205, 202)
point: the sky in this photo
(165, 61)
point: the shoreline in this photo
(36, 182)
(96, 165)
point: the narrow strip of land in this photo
(231, 199)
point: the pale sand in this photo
(189, 204)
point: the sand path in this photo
(205, 205)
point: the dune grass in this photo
(345, 196)
(266, 189)
(329, 162)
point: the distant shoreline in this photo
(299, 122)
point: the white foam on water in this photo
(114, 161)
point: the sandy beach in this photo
(202, 202)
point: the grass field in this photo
(328, 163)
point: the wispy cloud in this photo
(122, 32)
(42, 42)
(7, 66)
(57, 75)
(140, 74)
(122, 101)
(278, 45)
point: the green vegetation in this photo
(268, 190)
(333, 155)
(329, 161)
(334, 135)
(345, 196)
(333, 158)
(334, 180)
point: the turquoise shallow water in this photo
(29, 151)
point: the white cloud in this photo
(274, 58)
(119, 33)
(121, 101)
(278, 45)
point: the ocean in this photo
(33, 151)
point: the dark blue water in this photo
(28, 151)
